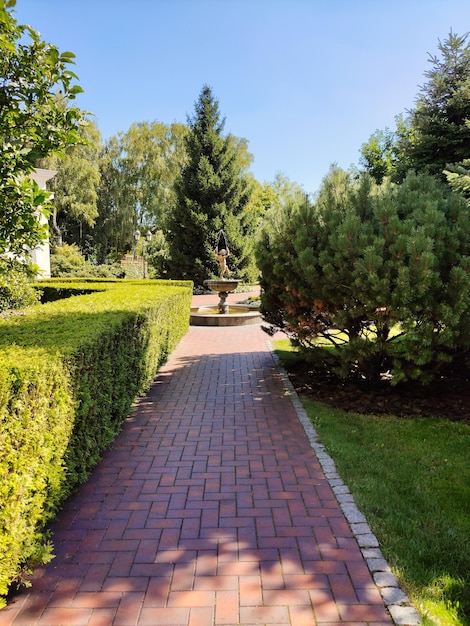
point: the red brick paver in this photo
(210, 508)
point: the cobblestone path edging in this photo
(396, 601)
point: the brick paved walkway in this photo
(210, 508)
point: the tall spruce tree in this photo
(441, 118)
(436, 133)
(212, 194)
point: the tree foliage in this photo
(113, 229)
(458, 177)
(442, 113)
(16, 289)
(270, 195)
(36, 122)
(138, 170)
(384, 155)
(152, 155)
(75, 187)
(381, 274)
(67, 260)
(212, 194)
(436, 133)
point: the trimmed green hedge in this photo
(69, 373)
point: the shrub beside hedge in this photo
(69, 373)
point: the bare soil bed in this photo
(449, 397)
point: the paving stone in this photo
(404, 615)
(378, 565)
(352, 513)
(372, 553)
(385, 579)
(393, 595)
(367, 540)
(337, 482)
(345, 498)
(361, 528)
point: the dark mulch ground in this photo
(449, 398)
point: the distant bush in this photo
(69, 373)
(16, 286)
(380, 274)
(67, 260)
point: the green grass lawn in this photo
(411, 479)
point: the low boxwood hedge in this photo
(69, 373)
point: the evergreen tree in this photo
(458, 177)
(436, 133)
(440, 121)
(212, 194)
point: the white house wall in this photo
(41, 255)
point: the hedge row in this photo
(69, 373)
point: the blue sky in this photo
(306, 82)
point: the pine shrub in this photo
(372, 280)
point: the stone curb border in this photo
(395, 600)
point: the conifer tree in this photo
(440, 119)
(436, 133)
(212, 194)
(458, 177)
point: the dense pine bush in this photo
(381, 274)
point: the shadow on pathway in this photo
(210, 508)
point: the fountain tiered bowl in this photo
(223, 313)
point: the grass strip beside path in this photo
(411, 479)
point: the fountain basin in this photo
(237, 315)
(224, 285)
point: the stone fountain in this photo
(222, 286)
(223, 314)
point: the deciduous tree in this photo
(36, 121)
(112, 233)
(152, 155)
(75, 188)
(138, 171)
(385, 154)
